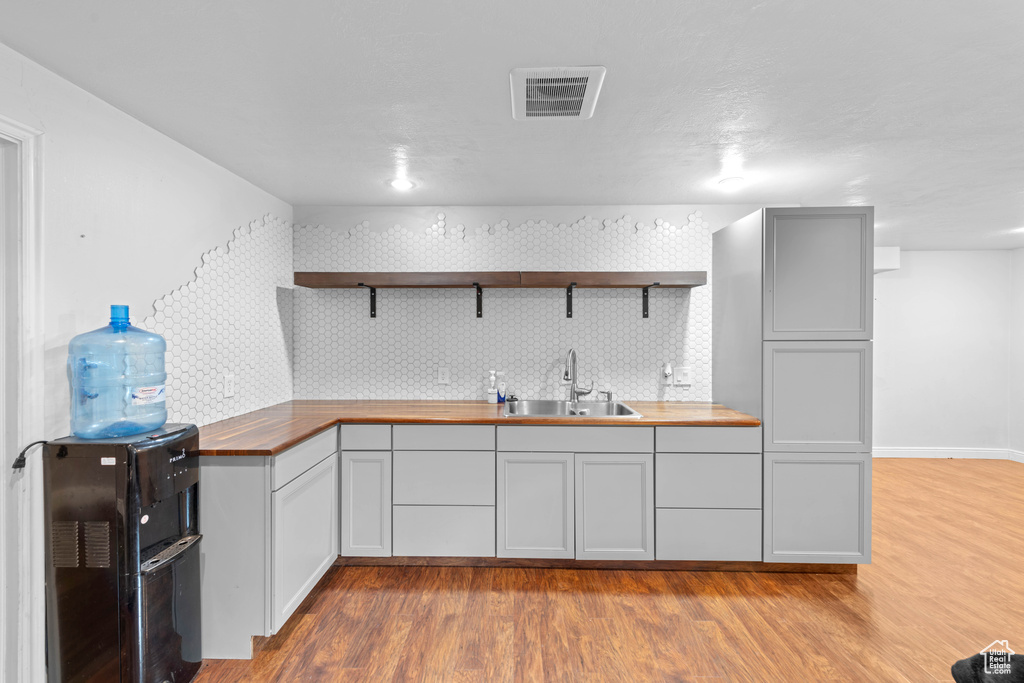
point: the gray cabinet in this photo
(365, 503)
(615, 506)
(708, 499)
(818, 273)
(817, 396)
(805, 368)
(535, 505)
(270, 528)
(305, 536)
(443, 480)
(817, 507)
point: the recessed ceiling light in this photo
(732, 183)
(402, 184)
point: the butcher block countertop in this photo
(271, 430)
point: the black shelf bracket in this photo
(646, 289)
(479, 300)
(373, 299)
(568, 299)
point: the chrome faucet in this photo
(570, 375)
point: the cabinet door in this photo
(817, 507)
(615, 506)
(818, 273)
(304, 536)
(535, 512)
(365, 503)
(817, 396)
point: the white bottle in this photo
(492, 391)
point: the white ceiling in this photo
(914, 106)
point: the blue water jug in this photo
(117, 380)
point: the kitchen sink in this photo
(580, 409)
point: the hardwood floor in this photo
(947, 579)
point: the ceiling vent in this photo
(555, 92)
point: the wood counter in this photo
(271, 430)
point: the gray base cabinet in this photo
(270, 532)
(365, 503)
(708, 493)
(535, 505)
(817, 507)
(305, 536)
(615, 506)
(443, 480)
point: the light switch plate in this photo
(229, 385)
(683, 376)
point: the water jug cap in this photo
(118, 315)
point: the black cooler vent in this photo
(64, 544)
(97, 544)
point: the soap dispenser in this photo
(492, 391)
(502, 387)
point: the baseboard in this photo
(967, 453)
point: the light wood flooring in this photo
(947, 579)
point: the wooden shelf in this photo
(528, 278)
(390, 280)
(646, 278)
(566, 279)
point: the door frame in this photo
(21, 519)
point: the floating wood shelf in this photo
(585, 278)
(527, 278)
(511, 278)
(383, 280)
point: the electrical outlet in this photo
(444, 375)
(229, 385)
(683, 375)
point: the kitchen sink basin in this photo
(580, 409)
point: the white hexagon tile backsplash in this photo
(234, 317)
(340, 352)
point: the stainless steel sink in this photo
(580, 409)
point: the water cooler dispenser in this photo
(122, 559)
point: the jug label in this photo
(143, 396)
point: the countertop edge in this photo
(315, 426)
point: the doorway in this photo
(21, 351)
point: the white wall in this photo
(127, 211)
(942, 349)
(127, 214)
(1015, 416)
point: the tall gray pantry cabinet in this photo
(792, 326)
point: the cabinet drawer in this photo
(443, 531)
(366, 437)
(443, 478)
(572, 439)
(707, 439)
(707, 480)
(289, 464)
(708, 535)
(444, 437)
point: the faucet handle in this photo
(608, 392)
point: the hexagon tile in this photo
(234, 317)
(340, 352)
